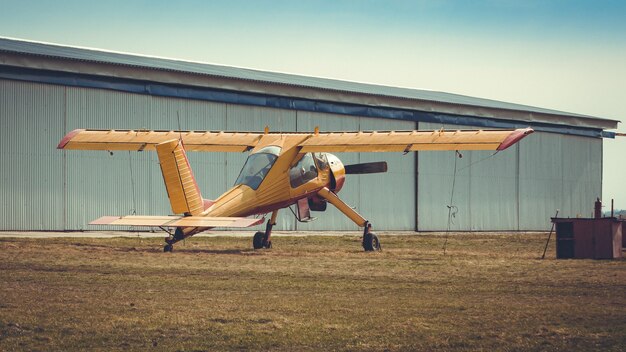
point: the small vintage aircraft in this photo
(282, 169)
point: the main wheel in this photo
(168, 248)
(371, 242)
(257, 240)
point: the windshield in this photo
(257, 166)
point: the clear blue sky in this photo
(564, 55)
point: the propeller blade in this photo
(366, 168)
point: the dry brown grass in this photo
(490, 292)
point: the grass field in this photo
(489, 292)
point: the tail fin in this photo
(180, 183)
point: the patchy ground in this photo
(489, 292)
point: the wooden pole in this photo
(550, 235)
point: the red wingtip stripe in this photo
(68, 137)
(515, 137)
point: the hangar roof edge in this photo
(19, 46)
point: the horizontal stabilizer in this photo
(176, 221)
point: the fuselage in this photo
(275, 176)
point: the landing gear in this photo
(370, 240)
(180, 234)
(263, 239)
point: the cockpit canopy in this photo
(257, 166)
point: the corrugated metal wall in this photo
(46, 189)
(32, 171)
(516, 189)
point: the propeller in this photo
(366, 168)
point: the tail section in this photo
(180, 183)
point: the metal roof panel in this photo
(116, 58)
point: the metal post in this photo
(550, 235)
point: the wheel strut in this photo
(263, 239)
(180, 234)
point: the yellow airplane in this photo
(282, 169)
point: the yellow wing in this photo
(404, 141)
(408, 141)
(204, 141)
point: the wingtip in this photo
(515, 137)
(66, 139)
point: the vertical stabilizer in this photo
(180, 183)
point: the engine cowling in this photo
(337, 175)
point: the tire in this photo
(371, 242)
(257, 240)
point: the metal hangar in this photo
(47, 90)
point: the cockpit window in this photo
(257, 166)
(303, 172)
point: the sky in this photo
(567, 55)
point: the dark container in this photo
(588, 238)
